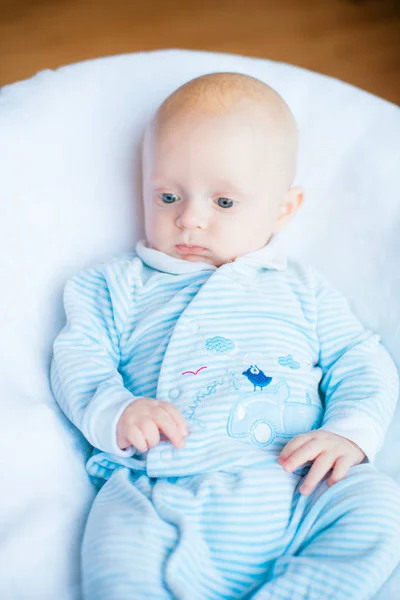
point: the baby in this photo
(225, 388)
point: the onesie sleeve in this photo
(360, 382)
(84, 372)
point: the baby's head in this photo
(219, 158)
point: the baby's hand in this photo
(142, 421)
(329, 451)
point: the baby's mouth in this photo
(187, 249)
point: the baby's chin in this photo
(193, 258)
(205, 259)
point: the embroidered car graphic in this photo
(267, 415)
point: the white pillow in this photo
(70, 196)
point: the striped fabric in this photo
(250, 534)
(252, 353)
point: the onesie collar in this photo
(268, 257)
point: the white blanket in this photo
(68, 157)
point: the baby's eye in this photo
(225, 202)
(169, 198)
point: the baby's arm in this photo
(360, 384)
(84, 371)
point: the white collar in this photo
(268, 257)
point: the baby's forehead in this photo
(246, 127)
(243, 136)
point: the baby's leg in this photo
(346, 544)
(125, 543)
(144, 541)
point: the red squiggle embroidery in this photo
(193, 372)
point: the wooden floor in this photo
(355, 40)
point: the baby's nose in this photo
(192, 216)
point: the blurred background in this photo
(357, 41)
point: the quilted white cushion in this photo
(70, 196)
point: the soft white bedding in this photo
(68, 156)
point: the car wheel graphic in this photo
(262, 433)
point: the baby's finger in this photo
(150, 432)
(342, 465)
(177, 417)
(319, 469)
(169, 428)
(299, 457)
(293, 445)
(136, 438)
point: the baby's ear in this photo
(293, 200)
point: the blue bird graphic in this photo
(257, 377)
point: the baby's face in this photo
(213, 188)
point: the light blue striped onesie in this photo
(253, 353)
